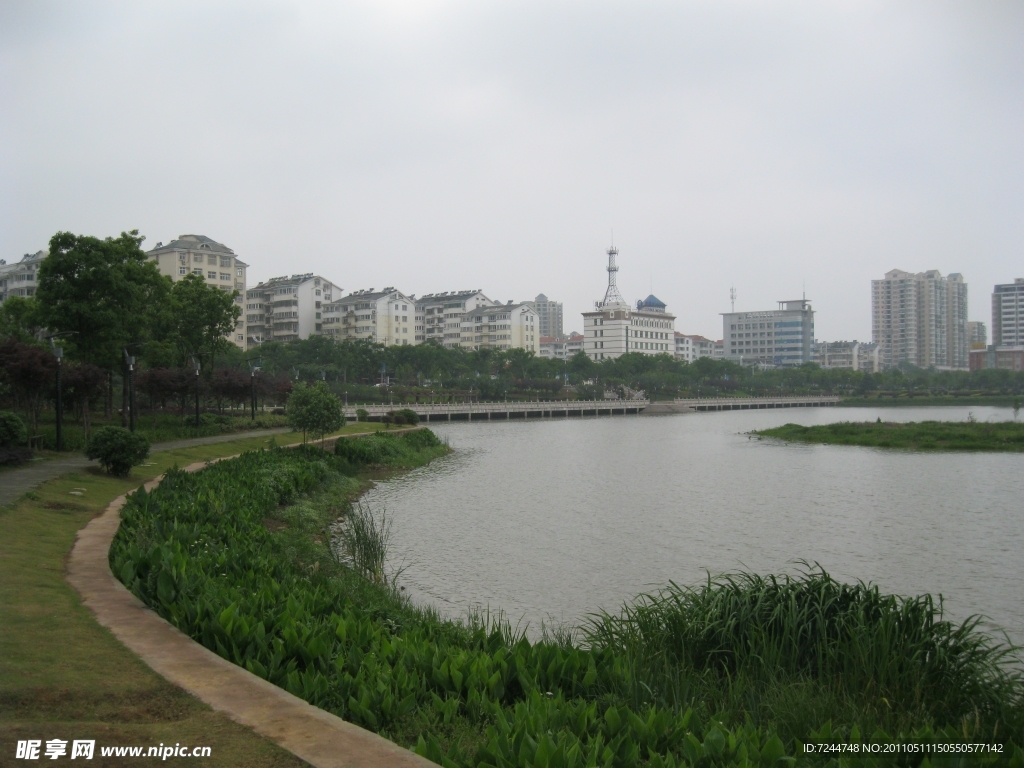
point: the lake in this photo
(549, 521)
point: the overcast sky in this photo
(775, 147)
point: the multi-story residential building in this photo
(574, 344)
(214, 262)
(385, 317)
(920, 319)
(977, 336)
(851, 355)
(550, 314)
(287, 308)
(551, 348)
(1007, 314)
(502, 326)
(614, 328)
(718, 352)
(690, 347)
(21, 277)
(439, 316)
(781, 337)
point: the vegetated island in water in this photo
(920, 436)
(739, 671)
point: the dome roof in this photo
(651, 301)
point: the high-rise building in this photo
(780, 337)
(614, 328)
(287, 308)
(920, 319)
(214, 262)
(977, 336)
(385, 317)
(550, 315)
(1008, 314)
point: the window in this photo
(182, 270)
(198, 258)
(238, 272)
(317, 291)
(198, 271)
(211, 275)
(225, 275)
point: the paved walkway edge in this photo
(318, 737)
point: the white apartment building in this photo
(214, 262)
(781, 337)
(503, 326)
(920, 319)
(551, 348)
(614, 328)
(690, 347)
(850, 355)
(21, 277)
(574, 344)
(718, 353)
(287, 308)
(385, 317)
(439, 317)
(1007, 314)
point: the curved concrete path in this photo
(16, 482)
(316, 736)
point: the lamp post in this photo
(58, 352)
(129, 361)
(252, 385)
(195, 363)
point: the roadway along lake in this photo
(553, 520)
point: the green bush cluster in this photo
(117, 449)
(198, 550)
(12, 430)
(923, 436)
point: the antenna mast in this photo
(612, 296)
(732, 298)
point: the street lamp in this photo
(195, 364)
(252, 385)
(129, 361)
(58, 352)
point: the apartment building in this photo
(287, 308)
(851, 355)
(385, 317)
(21, 277)
(977, 335)
(502, 326)
(551, 348)
(214, 262)
(574, 344)
(550, 314)
(782, 337)
(439, 317)
(690, 347)
(1007, 314)
(921, 319)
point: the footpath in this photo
(15, 483)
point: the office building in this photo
(287, 308)
(615, 328)
(920, 319)
(782, 337)
(385, 317)
(214, 262)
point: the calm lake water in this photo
(553, 520)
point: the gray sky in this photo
(445, 145)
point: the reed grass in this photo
(922, 436)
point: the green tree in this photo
(198, 318)
(107, 292)
(314, 409)
(19, 318)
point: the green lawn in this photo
(920, 436)
(64, 676)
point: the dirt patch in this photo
(274, 525)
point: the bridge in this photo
(689, 405)
(549, 409)
(531, 409)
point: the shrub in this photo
(117, 449)
(421, 438)
(410, 416)
(12, 430)
(362, 414)
(14, 456)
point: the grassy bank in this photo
(920, 436)
(64, 676)
(741, 669)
